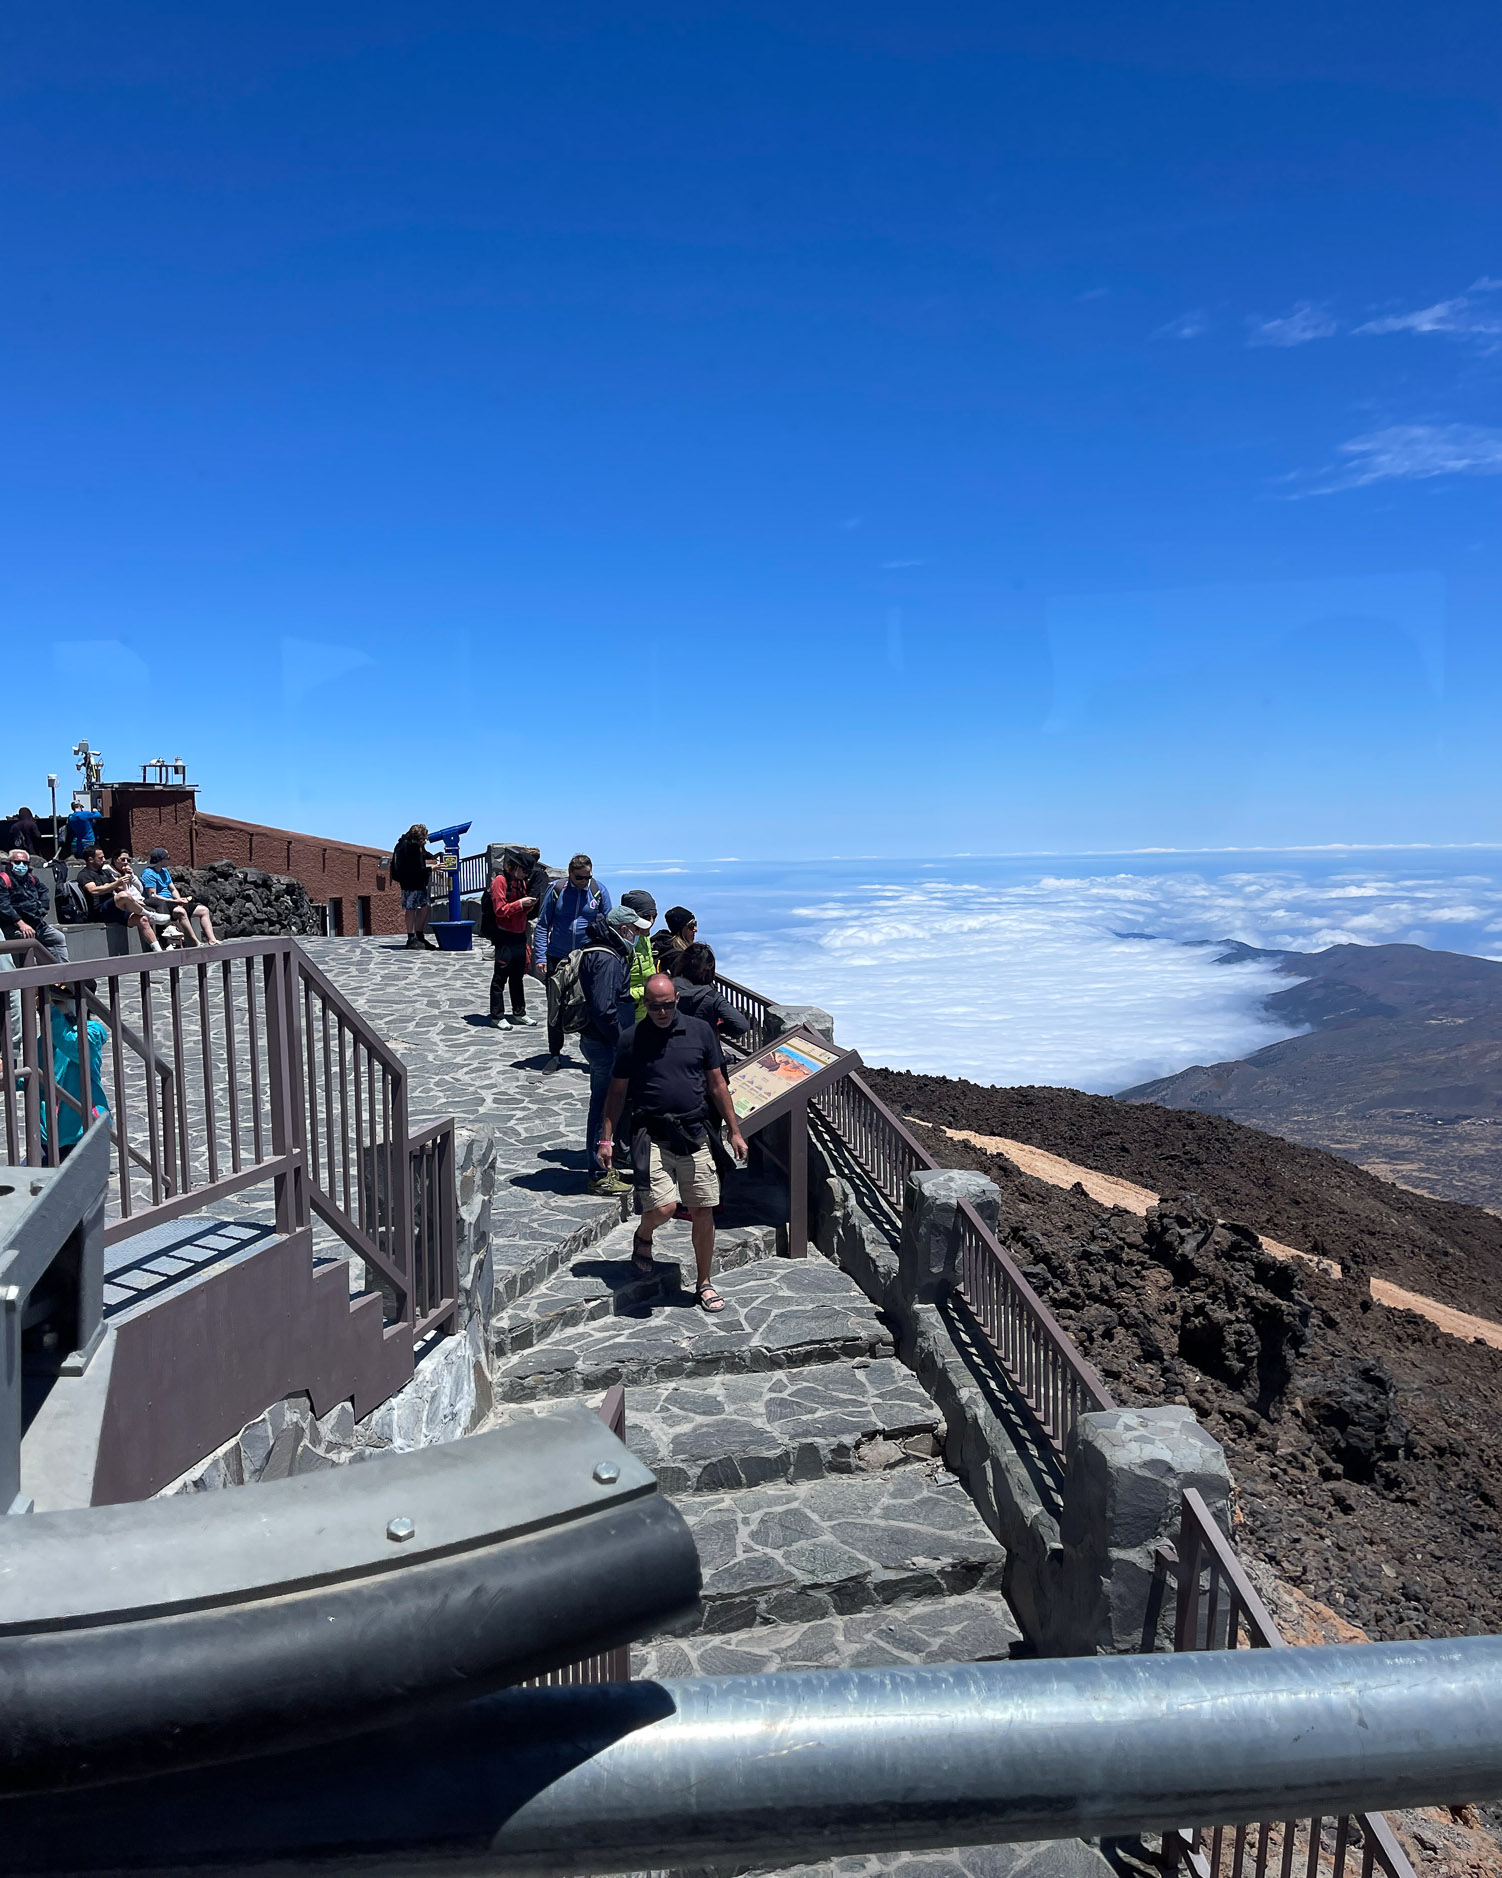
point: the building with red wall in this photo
(350, 880)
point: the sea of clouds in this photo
(1094, 973)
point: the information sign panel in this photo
(784, 1075)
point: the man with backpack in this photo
(602, 975)
(24, 905)
(569, 908)
(409, 869)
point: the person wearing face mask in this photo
(24, 904)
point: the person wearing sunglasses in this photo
(672, 1070)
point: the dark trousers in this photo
(555, 1016)
(510, 968)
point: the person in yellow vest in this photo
(643, 965)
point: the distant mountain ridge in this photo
(1400, 1070)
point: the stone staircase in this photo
(804, 1457)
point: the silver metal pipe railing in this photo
(775, 1770)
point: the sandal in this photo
(707, 1298)
(644, 1263)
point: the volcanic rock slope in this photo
(1401, 1068)
(1365, 1443)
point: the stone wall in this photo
(1079, 1549)
(247, 902)
(450, 1393)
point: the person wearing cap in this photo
(157, 887)
(672, 1070)
(642, 964)
(680, 929)
(605, 979)
(568, 909)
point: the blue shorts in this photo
(415, 897)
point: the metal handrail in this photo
(1054, 1381)
(249, 1067)
(751, 1005)
(1215, 1615)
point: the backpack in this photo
(72, 903)
(568, 1002)
(488, 925)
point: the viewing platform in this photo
(358, 1225)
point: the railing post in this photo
(1127, 1473)
(399, 1197)
(282, 1032)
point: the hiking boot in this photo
(610, 1184)
(499, 1023)
(414, 944)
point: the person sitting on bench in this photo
(114, 901)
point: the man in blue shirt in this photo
(564, 918)
(81, 826)
(159, 892)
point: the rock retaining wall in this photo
(451, 1389)
(248, 903)
(1079, 1550)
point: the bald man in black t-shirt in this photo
(673, 1070)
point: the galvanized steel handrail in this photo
(1217, 1607)
(605, 1665)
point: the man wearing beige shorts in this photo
(673, 1070)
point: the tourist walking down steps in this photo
(672, 1070)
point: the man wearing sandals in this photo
(672, 1068)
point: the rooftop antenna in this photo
(91, 763)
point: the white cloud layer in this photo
(1461, 317)
(1411, 452)
(1031, 979)
(1191, 325)
(1297, 328)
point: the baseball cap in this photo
(640, 901)
(159, 857)
(626, 919)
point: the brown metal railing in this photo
(1053, 1380)
(604, 1665)
(1217, 1608)
(226, 1068)
(752, 1006)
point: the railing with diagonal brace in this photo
(223, 1069)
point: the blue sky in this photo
(765, 430)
